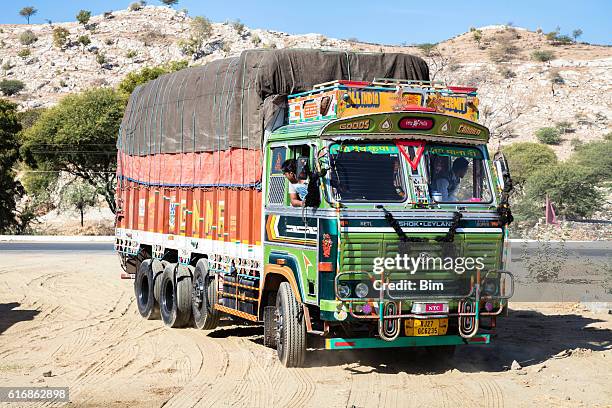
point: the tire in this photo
(204, 297)
(144, 291)
(291, 340)
(158, 273)
(269, 339)
(183, 293)
(170, 313)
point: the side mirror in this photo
(303, 170)
(503, 172)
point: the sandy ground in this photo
(70, 314)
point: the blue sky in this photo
(382, 21)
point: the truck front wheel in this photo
(143, 289)
(291, 328)
(171, 314)
(204, 297)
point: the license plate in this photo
(425, 327)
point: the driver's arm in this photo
(295, 200)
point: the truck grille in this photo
(358, 250)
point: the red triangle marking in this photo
(420, 145)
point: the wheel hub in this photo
(198, 292)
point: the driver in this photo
(447, 183)
(297, 188)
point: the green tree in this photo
(84, 40)
(24, 53)
(543, 56)
(169, 3)
(83, 16)
(569, 188)
(238, 26)
(596, 157)
(60, 36)
(200, 30)
(576, 33)
(39, 184)
(28, 12)
(78, 136)
(78, 195)
(525, 158)
(29, 117)
(10, 87)
(135, 7)
(27, 38)
(427, 48)
(477, 35)
(552, 36)
(548, 135)
(563, 39)
(133, 79)
(101, 58)
(10, 189)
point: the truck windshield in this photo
(457, 174)
(366, 172)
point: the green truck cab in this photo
(401, 238)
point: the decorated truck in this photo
(340, 199)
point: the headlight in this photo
(490, 287)
(361, 290)
(344, 291)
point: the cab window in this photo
(457, 175)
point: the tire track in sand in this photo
(492, 394)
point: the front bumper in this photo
(389, 310)
(373, 342)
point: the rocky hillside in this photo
(518, 94)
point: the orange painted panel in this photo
(220, 214)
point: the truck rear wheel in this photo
(144, 291)
(291, 328)
(171, 314)
(204, 297)
(158, 273)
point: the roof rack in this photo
(409, 82)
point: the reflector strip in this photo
(353, 83)
(462, 89)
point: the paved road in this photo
(595, 249)
(56, 246)
(583, 269)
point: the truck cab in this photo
(401, 239)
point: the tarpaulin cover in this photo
(220, 105)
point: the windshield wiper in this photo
(448, 237)
(394, 224)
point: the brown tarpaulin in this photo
(220, 105)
